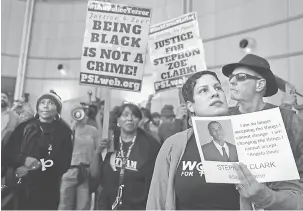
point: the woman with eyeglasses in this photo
(171, 189)
(40, 149)
(125, 174)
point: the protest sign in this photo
(114, 46)
(176, 51)
(258, 140)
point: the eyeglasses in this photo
(242, 77)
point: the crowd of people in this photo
(48, 164)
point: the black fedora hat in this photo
(260, 66)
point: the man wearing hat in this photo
(40, 149)
(171, 123)
(250, 80)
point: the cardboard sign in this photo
(258, 140)
(114, 46)
(176, 51)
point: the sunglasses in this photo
(242, 77)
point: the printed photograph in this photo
(217, 140)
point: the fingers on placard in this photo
(240, 174)
(247, 173)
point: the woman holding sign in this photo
(125, 174)
(179, 182)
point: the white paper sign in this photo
(258, 140)
(176, 51)
(115, 45)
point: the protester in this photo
(128, 170)
(75, 193)
(23, 109)
(91, 112)
(146, 124)
(252, 79)
(171, 123)
(41, 149)
(9, 120)
(156, 118)
(170, 190)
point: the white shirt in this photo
(219, 147)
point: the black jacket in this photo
(136, 179)
(28, 140)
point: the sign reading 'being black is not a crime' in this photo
(114, 46)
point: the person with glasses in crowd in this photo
(75, 192)
(252, 79)
(171, 190)
(126, 173)
(41, 150)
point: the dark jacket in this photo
(167, 129)
(136, 180)
(51, 143)
(211, 153)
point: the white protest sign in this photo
(176, 51)
(258, 140)
(114, 46)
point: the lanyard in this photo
(124, 158)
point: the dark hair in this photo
(115, 114)
(146, 113)
(92, 111)
(212, 122)
(155, 115)
(135, 110)
(188, 87)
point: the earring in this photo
(118, 124)
(57, 117)
(36, 116)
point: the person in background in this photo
(9, 120)
(252, 79)
(75, 193)
(23, 109)
(41, 150)
(289, 100)
(171, 190)
(171, 123)
(91, 112)
(125, 174)
(156, 119)
(146, 123)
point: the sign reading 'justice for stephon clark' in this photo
(258, 140)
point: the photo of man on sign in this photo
(219, 149)
(220, 144)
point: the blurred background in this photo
(272, 28)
